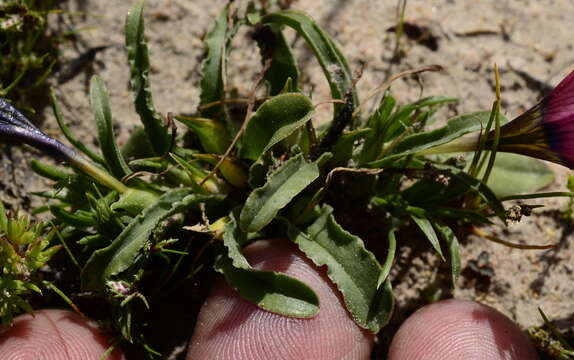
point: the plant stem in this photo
(100, 175)
(465, 143)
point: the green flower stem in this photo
(465, 143)
(100, 175)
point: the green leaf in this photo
(455, 128)
(470, 216)
(133, 201)
(453, 249)
(138, 59)
(253, 13)
(96, 240)
(232, 170)
(403, 118)
(273, 121)
(264, 203)
(428, 192)
(138, 145)
(78, 219)
(258, 170)
(68, 133)
(153, 164)
(196, 175)
(213, 67)
(273, 45)
(386, 270)
(419, 217)
(517, 174)
(343, 148)
(3, 219)
(131, 244)
(350, 266)
(49, 171)
(272, 291)
(212, 134)
(477, 186)
(101, 108)
(378, 123)
(330, 58)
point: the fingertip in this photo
(54, 335)
(230, 327)
(455, 329)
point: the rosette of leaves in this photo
(274, 173)
(24, 249)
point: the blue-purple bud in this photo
(16, 127)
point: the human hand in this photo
(229, 327)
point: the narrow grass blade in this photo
(419, 217)
(453, 249)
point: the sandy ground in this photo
(530, 41)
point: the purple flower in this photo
(16, 127)
(546, 131)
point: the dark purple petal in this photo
(9, 114)
(558, 119)
(546, 131)
(16, 127)
(560, 102)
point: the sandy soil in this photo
(529, 40)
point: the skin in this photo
(455, 329)
(228, 327)
(54, 335)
